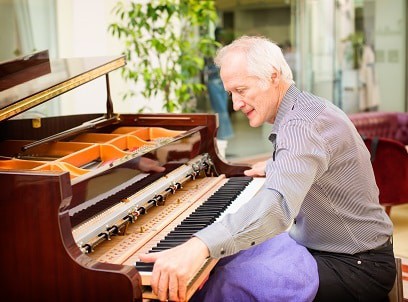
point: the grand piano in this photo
(83, 195)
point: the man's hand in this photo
(257, 170)
(173, 268)
(150, 165)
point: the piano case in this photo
(78, 192)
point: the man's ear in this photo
(275, 77)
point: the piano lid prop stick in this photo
(93, 124)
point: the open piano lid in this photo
(31, 80)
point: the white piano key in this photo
(245, 195)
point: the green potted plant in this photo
(357, 43)
(165, 43)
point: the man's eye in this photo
(241, 90)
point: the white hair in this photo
(264, 57)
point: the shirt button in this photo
(253, 243)
(222, 252)
(359, 262)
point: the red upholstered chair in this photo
(390, 163)
(382, 124)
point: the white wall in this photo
(390, 43)
(316, 46)
(8, 42)
(83, 31)
(26, 26)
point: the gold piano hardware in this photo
(36, 122)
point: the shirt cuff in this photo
(218, 240)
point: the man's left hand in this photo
(174, 268)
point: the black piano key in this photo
(184, 227)
(144, 267)
(193, 220)
(211, 208)
(181, 234)
(156, 249)
(191, 227)
(169, 244)
(173, 240)
(203, 222)
(204, 213)
(178, 236)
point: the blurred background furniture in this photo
(392, 125)
(390, 163)
(386, 137)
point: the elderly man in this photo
(319, 183)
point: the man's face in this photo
(249, 94)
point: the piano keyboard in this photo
(227, 199)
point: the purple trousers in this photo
(278, 269)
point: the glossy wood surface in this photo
(39, 259)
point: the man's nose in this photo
(237, 103)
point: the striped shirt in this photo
(319, 184)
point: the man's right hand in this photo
(257, 170)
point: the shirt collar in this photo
(288, 102)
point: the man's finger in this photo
(250, 172)
(154, 281)
(182, 289)
(162, 287)
(173, 288)
(149, 257)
